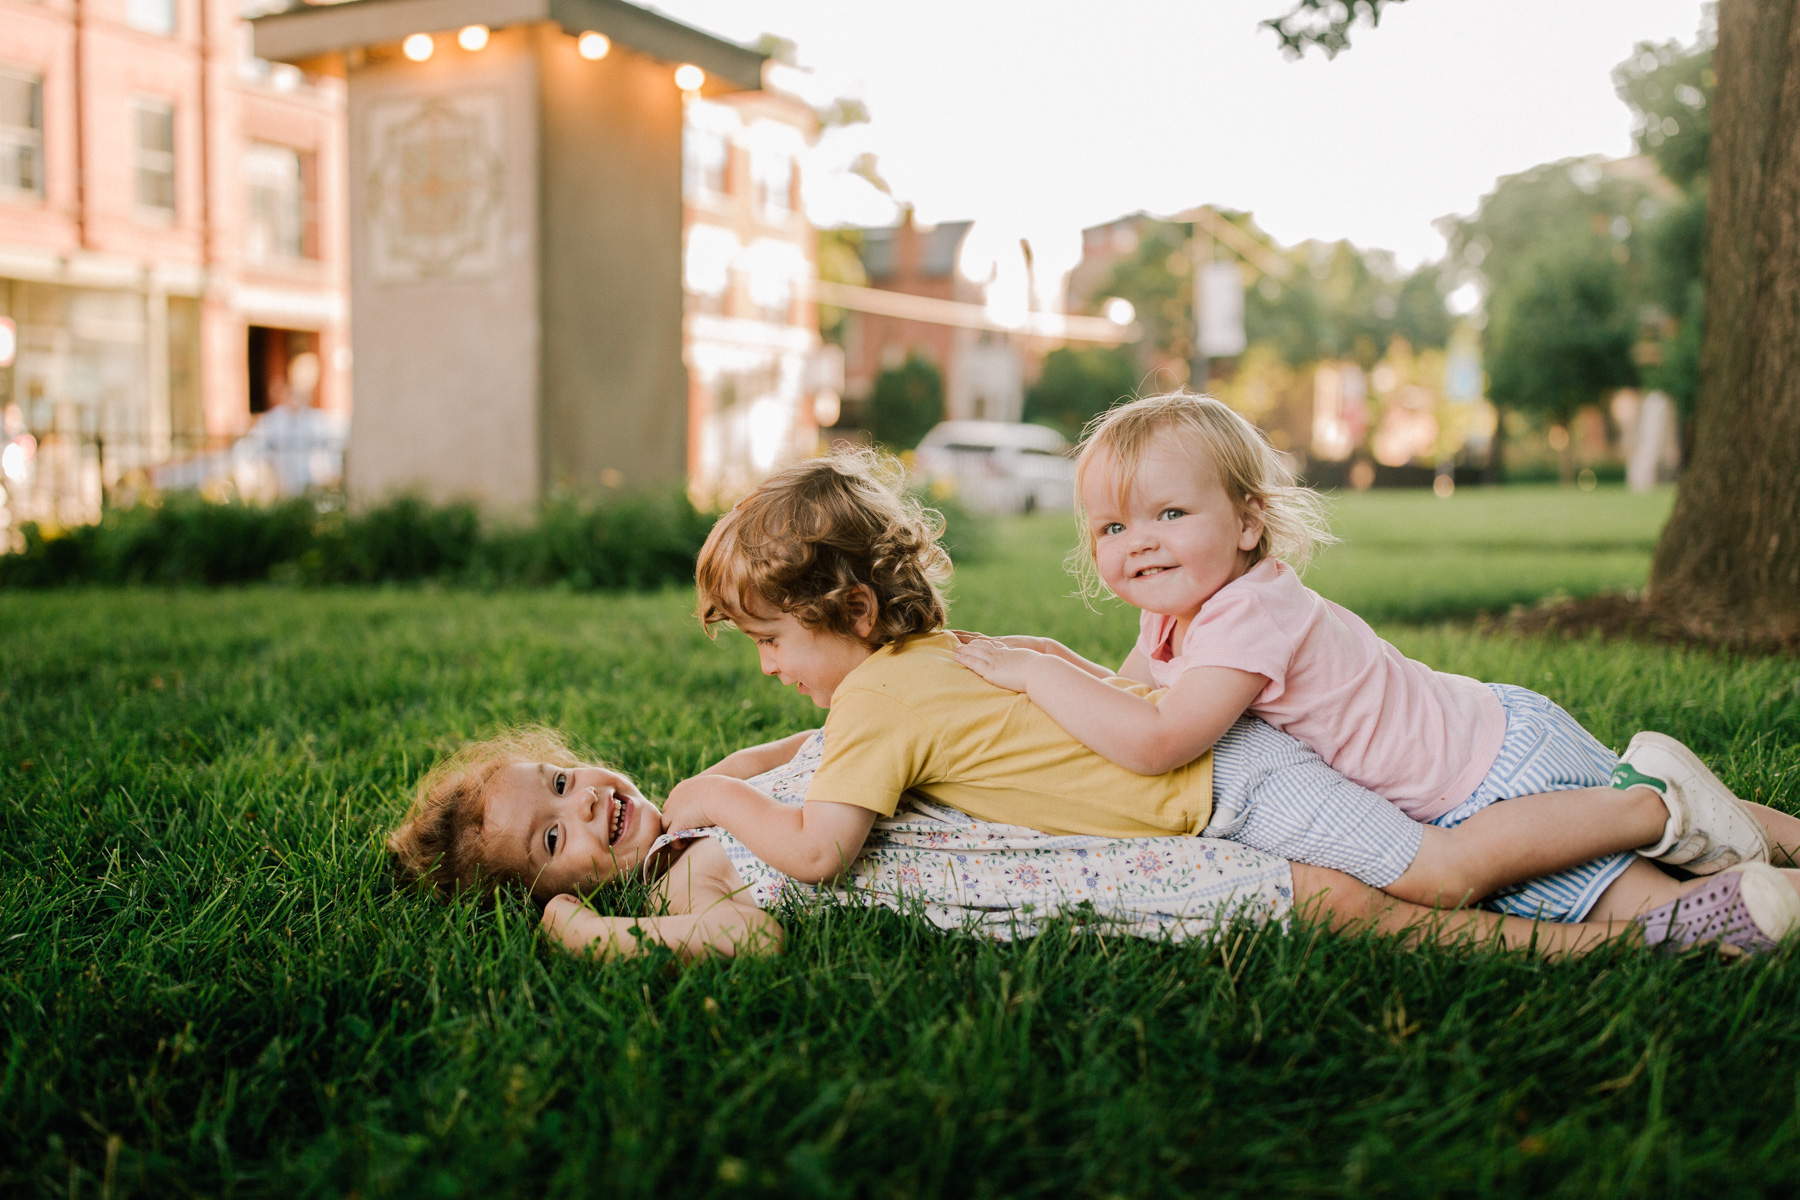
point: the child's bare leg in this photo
(1784, 832)
(1515, 840)
(1348, 904)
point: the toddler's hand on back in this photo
(997, 662)
(1018, 641)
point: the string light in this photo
(418, 46)
(472, 37)
(593, 46)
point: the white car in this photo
(999, 467)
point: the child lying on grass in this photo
(522, 812)
(834, 575)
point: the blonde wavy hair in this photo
(1257, 477)
(439, 843)
(804, 541)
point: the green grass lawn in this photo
(208, 985)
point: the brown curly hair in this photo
(811, 534)
(439, 843)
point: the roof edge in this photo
(309, 31)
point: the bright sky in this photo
(1043, 116)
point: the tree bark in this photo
(1728, 566)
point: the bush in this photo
(1076, 386)
(625, 541)
(634, 541)
(968, 535)
(184, 539)
(401, 541)
(906, 402)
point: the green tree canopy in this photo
(907, 401)
(1669, 88)
(1075, 386)
(1562, 336)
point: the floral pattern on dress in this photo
(1006, 881)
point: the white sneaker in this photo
(1709, 829)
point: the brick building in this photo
(984, 334)
(751, 331)
(172, 251)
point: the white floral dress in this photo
(1006, 881)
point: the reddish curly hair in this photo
(439, 843)
(804, 541)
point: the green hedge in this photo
(628, 540)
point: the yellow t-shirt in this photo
(915, 719)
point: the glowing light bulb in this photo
(418, 46)
(593, 46)
(689, 78)
(472, 37)
(1120, 311)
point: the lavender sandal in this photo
(1744, 909)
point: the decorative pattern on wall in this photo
(437, 189)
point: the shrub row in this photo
(642, 541)
(627, 541)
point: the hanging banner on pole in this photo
(1221, 310)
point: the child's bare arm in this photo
(812, 843)
(1141, 735)
(754, 760)
(1042, 645)
(1136, 668)
(712, 917)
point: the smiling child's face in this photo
(566, 828)
(1171, 537)
(813, 660)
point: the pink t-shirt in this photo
(1421, 738)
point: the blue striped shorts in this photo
(1545, 750)
(1275, 794)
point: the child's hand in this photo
(1018, 641)
(562, 921)
(686, 806)
(998, 662)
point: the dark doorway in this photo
(276, 375)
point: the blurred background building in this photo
(172, 245)
(756, 377)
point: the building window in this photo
(772, 176)
(151, 16)
(773, 268)
(21, 135)
(276, 178)
(711, 256)
(706, 158)
(155, 157)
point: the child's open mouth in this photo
(620, 815)
(1147, 572)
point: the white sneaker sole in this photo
(1665, 744)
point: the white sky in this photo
(1043, 116)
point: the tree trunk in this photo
(1728, 565)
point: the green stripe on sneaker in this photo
(1627, 776)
